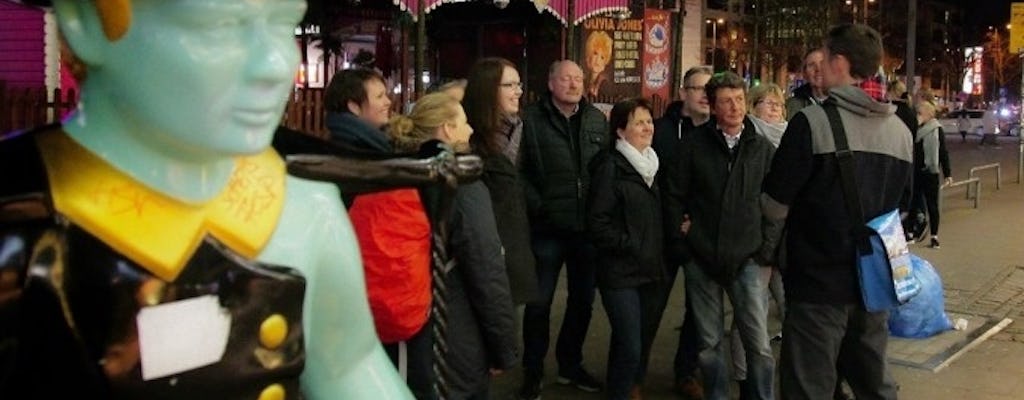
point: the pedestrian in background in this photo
(930, 159)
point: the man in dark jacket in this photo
(813, 91)
(561, 133)
(714, 208)
(826, 321)
(681, 119)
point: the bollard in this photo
(999, 172)
(973, 181)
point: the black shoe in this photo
(531, 386)
(581, 379)
(920, 230)
(934, 244)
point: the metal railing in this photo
(999, 173)
(971, 195)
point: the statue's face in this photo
(204, 76)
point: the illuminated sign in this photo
(973, 71)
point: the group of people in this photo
(216, 236)
(738, 188)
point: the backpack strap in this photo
(846, 164)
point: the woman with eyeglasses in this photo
(768, 111)
(492, 106)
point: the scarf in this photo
(347, 128)
(509, 138)
(645, 163)
(772, 131)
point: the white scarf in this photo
(645, 162)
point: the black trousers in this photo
(419, 359)
(816, 336)
(926, 198)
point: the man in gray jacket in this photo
(561, 133)
(826, 323)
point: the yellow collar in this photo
(155, 231)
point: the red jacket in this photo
(394, 238)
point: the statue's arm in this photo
(344, 359)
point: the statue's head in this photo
(196, 76)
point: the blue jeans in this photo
(748, 296)
(552, 250)
(634, 315)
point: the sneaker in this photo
(934, 244)
(582, 380)
(690, 388)
(531, 386)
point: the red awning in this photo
(559, 8)
(584, 8)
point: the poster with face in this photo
(611, 58)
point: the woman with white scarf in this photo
(624, 223)
(930, 158)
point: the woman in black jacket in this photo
(494, 117)
(625, 225)
(480, 332)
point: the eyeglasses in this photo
(694, 87)
(770, 103)
(512, 85)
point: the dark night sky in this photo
(981, 14)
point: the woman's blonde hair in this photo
(430, 112)
(926, 107)
(600, 41)
(759, 92)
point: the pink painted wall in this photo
(21, 45)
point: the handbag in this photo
(882, 258)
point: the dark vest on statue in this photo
(70, 303)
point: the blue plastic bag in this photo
(925, 314)
(885, 274)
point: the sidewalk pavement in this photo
(981, 262)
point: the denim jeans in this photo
(551, 251)
(634, 315)
(748, 296)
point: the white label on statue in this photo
(182, 335)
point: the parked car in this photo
(950, 124)
(1007, 122)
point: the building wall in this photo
(692, 48)
(22, 46)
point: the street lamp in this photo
(714, 38)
